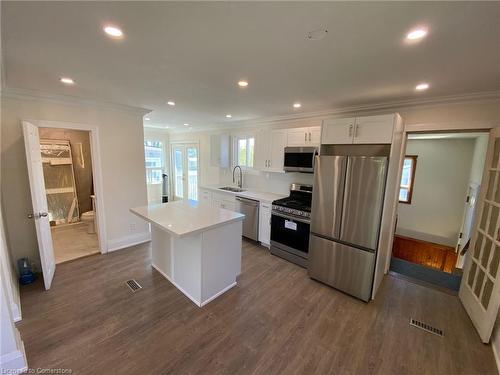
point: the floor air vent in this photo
(133, 285)
(426, 327)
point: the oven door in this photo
(290, 233)
(299, 159)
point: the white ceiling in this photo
(194, 54)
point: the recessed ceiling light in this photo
(147, 118)
(67, 81)
(422, 86)
(113, 31)
(229, 116)
(297, 105)
(171, 103)
(186, 124)
(243, 83)
(417, 34)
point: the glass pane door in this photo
(178, 171)
(192, 167)
(480, 287)
(185, 162)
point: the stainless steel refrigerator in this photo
(348, 197)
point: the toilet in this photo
(89, 218)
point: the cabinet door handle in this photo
(356, 130)
(309, 137)
(350, 130)
(305, 137)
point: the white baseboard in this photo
(197, 303)
(14, 362)
(16, 312)
(128, 241)
(218, 294)
(495, 354)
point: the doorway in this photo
(39, 195)
(69, 189)
(185, 170)
(440, 180)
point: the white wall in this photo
(441, 181)
(122, 161)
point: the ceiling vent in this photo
(316, 34)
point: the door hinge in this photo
(468, 199)
(460, 235)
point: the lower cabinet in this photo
(228, 202)
(265, 224)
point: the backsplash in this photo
(278, 183)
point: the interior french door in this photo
(480, 287)
(185, 170)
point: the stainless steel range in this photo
(290, 225)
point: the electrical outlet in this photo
(132, 227)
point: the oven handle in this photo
(305, 221)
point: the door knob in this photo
(38, 215)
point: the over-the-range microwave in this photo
(300, 159)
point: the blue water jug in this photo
(26, 275)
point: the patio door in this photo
(185, 162)
(480, 287)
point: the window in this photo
(153, 151)
(244, 152)
(407, 179)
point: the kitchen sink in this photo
(233, 189)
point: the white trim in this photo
(16, 312)
(218, 294)
(128, 241)
(95, 154)
(197, 303)
(24, 94)
(14, 362)
(497, 359)
(382, 107)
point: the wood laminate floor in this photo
(276, 321)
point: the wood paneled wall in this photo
(428, 254)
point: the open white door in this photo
(39, 201)
(480, 287)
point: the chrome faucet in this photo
(240, 181)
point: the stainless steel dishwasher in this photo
(250, 208)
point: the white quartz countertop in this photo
(261, 196)
(187, 217)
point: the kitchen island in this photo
(195, 246)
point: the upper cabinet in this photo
(270, 150)
(358, 130)
(338, 131)
(303, 136)
(220, 146)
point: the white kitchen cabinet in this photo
(265, 223)
(205, 196)
(358, 130)
(270, 150)
(222, 200)
(374, 129)
(220, 146)
(338, 131)
(299, 137)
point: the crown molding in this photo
(382, 106)
(392, 106)
(33, 95)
